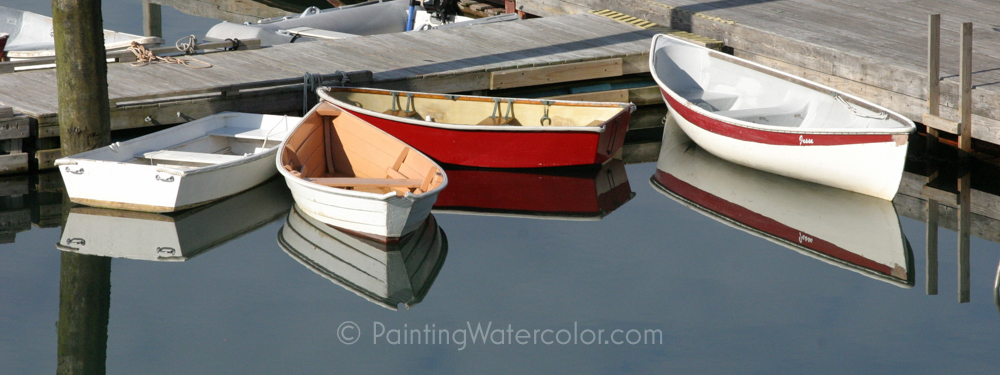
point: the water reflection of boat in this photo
(566, 194)
(385, 274)
(176, 236)
(850, 230)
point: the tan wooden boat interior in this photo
(336, 149)
(467, 110)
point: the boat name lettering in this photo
(804, 238)
(805, 141)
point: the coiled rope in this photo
(145, 57)
(882, 115)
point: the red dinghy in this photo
(486, 132)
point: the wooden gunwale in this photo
(481, 98)
(624, 109)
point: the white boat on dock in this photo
(857, 232)
(349, 174)
(181, 167)
(173, 237)
(386, 274)
(367, 18)
(31, 36)
(762, 118)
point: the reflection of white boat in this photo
(368, 18)
(31, 35)
(172, 237)
(385, 274)
(181, 167)
(850, 230)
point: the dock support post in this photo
(152, 21)
(965, 101)
(82, 75)
(933, 73)
(964, 233)
(84, 302)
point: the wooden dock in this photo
(270, 80)
(873, 49)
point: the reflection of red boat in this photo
(484, 132)
(590, 193)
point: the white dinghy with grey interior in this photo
(762, 118)
(181, 167)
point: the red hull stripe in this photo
(769, 137)
(764, 224)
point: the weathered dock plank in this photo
(875, 49)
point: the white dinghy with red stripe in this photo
(762, 118)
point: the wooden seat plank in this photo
(366, 182)
(189, 157)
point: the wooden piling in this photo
(152, 20)
(965, 98)
(933, 73)
(82, 75)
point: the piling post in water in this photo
(84, 124)
(152, 21)
(965, 95)
(82, 75)
(933, 73)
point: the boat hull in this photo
(765, 119)
(508, 149)
(120, 176)
(870, 164)
(486, 132)
(381, 216)
(154, 189)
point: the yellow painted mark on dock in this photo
(646, 25)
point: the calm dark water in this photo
(721, 300)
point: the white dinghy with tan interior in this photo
(347, 173)
(762, 118)
(181, 167)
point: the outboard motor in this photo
(442, 10)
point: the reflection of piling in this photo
(82, 75)
(84, 301)
(964, 233)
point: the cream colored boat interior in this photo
(336, 149)
(218, 146)
(730, 87)
(464, 110)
